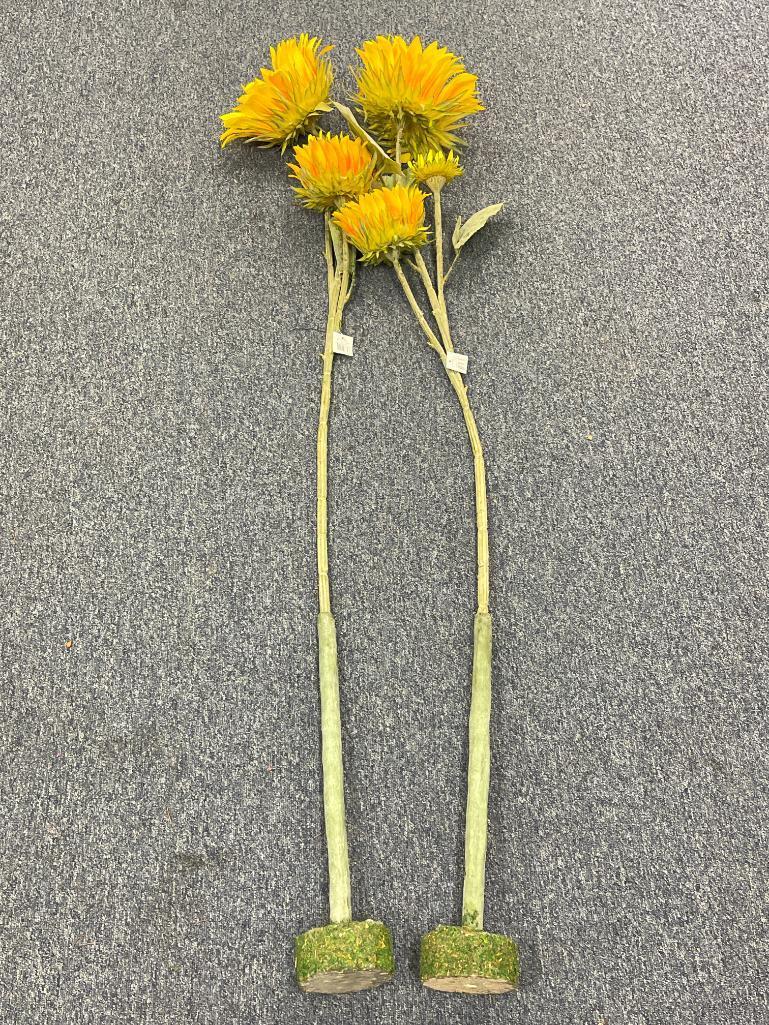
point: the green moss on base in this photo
(458, 959)
(344, 958)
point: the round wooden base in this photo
(457, 959)
(345, 957)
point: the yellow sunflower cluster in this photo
(284, 101)
(331, 169)
(385, 223)
(420, 95)
(414, 99)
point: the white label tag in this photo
(342, 344)
(456, 361)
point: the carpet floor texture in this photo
(163, 316)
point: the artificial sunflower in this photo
(284, 101)
(385, 223)
(435, 167)
(332, 169)
(414, 98)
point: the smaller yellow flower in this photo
(385, 223)
(331, 169)
(435, 168)
(287, 99)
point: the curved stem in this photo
(479, 747)
(481, 505)
(457, 383)
(339, 890)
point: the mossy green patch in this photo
(347, 948)
(458, 952)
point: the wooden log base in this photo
(344, 982)
(344, 958)
(458, 959)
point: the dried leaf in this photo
(464, 232)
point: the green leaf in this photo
(464, 232)
(357, 129)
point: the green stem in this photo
(321, 518)
(435, 303)
(479, 760)
(439, 243)
(440, 312)
(421, 319)
(479, 748)
(331, 725)
(452, 265)
(339, 892)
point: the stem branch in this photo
(417, 310)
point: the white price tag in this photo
(456, 361)
(342, 344)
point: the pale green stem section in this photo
(435, 302)
(452, 265)
(421, 319)
(321, 517)
(439, 276)
(340, 909)
(479, 464)
(479, 747)
(479, 760)
(339, 893)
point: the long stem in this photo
(481, 504)
(339, 893)
(478, 766)
(334, 288)
(479, 753)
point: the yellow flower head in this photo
(435, 167)
(385, 223)
(425, 92)
(331, 169)
(285, 100)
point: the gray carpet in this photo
(162, 839)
